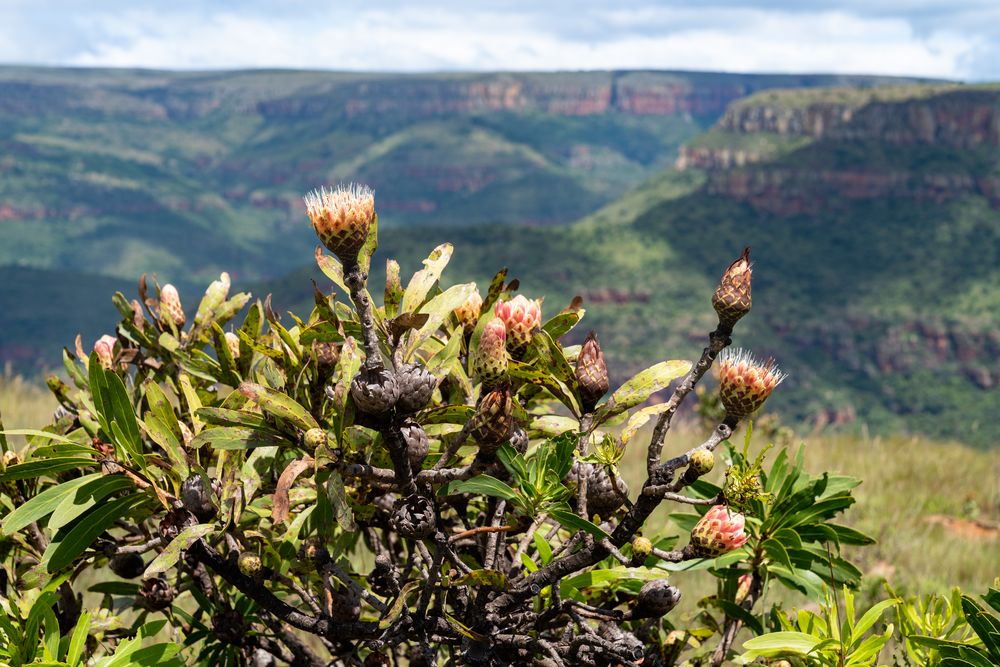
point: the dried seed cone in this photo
(416, 385)
(468, 312)
(521, 316)
(417, 443)
(174, 522)
(249, 564)
(602, 499)
(493, 419)
(157, 594)
(197, 497)
(656, 598)
(732, 297)
(384, 578)
(345, 605)
(718, 532)
(413, 517)
(104, 347)
(591, 373)
(342, 218)
(229, 626)
(127, 566)
(745, 383)
(233, 343)
(702, 461)
(490, 362)
(170, 306)
(374, 390)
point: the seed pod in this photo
(417, 444)
(342, 218)
(745, 383)
(642, 547)
(718, 532)
(127, 566)
(732, 297)
(416, 385)
(702, 461)
(249, 564)
(174, 522)
(198, 498)
(591, 373)
(602, 498)
(229, 626)
(468, 312)
(157, 594)
(656, 598)
(314, 439)
(493, 419)
(413, 517)
(521, 316)
(384, 578)
(374, 390)
(104, 348)
(170, 306)
(312, 550)
(490, 361)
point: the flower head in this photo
(719, 531)
(342, 218)
(521, 316)
(170, 306)
(468, 312)
(732, 299)
(745, 383)
(490, 361)
(104, 348)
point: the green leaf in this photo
(777, 552)
(494, 579)
(422, 281)
(173, 551)
(870, 617)
(568, 519)
(563, 323)
(79, 639)
(485, 485)
(60, 554)
(398, 605)
(33, 469)
(227, 437)
(437, 310)
(43, 504)
(640, 387)
(38, 434)
(279, 405)
(733, 610)
(230, 417)
(340, 503)
(777, 644)
(86, 496)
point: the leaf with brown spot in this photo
(279, 506)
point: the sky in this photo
(957, 39)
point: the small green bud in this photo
(702, 461)
(642, 547)
(315, 438)
(249, 564)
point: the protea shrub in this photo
(417, 482)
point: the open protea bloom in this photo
(468, 312)
(521, 316)
(719, 531)
(490, 362)
(170, 305)
(104, 348)
(745, 383)
(342, 218)
(732, 298)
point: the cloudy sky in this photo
(941, 38)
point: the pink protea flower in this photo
(719, 531)
(745, 383)
(342, 218)
(521, 316)
(468, 312)
(170, 306)
(490, 362)
(104, 347)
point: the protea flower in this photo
(468, 312)
(743, 587)
(521, 316)
(732, 297)
(490, 362)
(591, 372)
(745, 383)
(342, 218)
(170, 306)
(104, 347)
(719, 531)
(493, 419)
(327, 354)
(233, 343)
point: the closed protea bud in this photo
(375, 390)
(104, 348)
(493, 419)
(602, 497)
(417, 444)
(519, 439)
(745, 383)
(174, 522)
(416, 385)
(157, 594)
(490, 361)
(468, 312)
(127, 566)
(413, 517)
(229, 626)
(656, 598)
(642, 547)
(718, 532)
(233, 343)
(342, 218)
(314, 439)
(327, 354)
(521, 316)
(591, 373)
(249, 564)
(170, 306)
(743, 587)
(732, 297)
(702, 461)
(197, 497)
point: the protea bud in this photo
(413, 517)
(743, 587)
(745, 383)
(490, 362)
(249, 564)
(641, 547)
(718, 532)
(374, 390)
(416, 385)
(468, 312)
(127, 566)
(233, 343)
(493, 419)
(702, 461)
(656, 598)
(327, 354)
(732, 297)
(170, 306)
(104, 347)
(604, 497)
(342, 218)
(157, 594)
(521, 316)
(314, 439)
(197, 497)
(229, 626)
(417, 443)
(591, 373)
